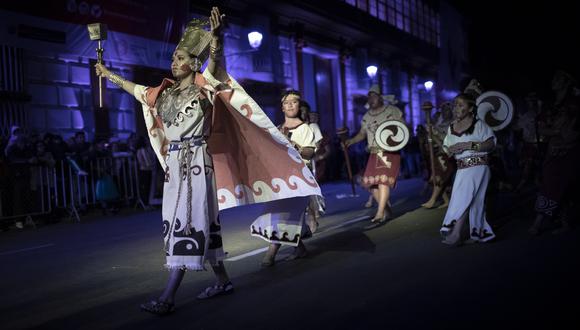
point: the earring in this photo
(196, 65)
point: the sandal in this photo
(297, 255)
(216, 290)
(384, 218)
(267, 263)
(158, 307)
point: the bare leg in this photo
(312, 216)
(375, 193)
(220, 273)
(299, 252)
(369, 202)
(536, 226)
(445, 200)
(175, 277)
(384, 192)
(431, 202)
(270, 256)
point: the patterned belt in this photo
(471, 161)
(190, 141)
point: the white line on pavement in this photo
(346, 223)
(247, 254)
(26, 249)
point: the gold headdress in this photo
(195, 39)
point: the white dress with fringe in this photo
(470, 185)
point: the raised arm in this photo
(124, 84)
(216, 48)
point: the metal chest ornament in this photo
(495, 109)
(392, 135)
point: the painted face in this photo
(181, 64)
(461, 108)
(291, 106)
(375, 100)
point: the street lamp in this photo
(255, 39)
(428, 85)
(372, 71)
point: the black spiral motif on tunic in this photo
(177, 225)
(166, 226)
(196, 169)
(192, 244)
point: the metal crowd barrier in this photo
(72, 186)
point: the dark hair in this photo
(291, 92)
(467, 98)
(304, 111)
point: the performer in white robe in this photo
(218, 149)
(469, 140)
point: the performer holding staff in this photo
(442, 166)
(218, 149)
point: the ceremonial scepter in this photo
(98, 31)
(427, 106)
(342, 135)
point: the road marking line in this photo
(247, 254)
(346, 223)
(26, 249)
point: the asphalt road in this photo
(94, 274)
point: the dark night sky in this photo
(516, 49)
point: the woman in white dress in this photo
(469, 140)
(302, 138)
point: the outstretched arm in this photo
(216, 65)
(361, 135)
(126, 85)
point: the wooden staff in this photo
(427, 107)
(343, 135)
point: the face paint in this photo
(185, 68)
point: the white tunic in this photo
(189, 192)
(470, 185)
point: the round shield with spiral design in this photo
(495, 109)
(392, 135)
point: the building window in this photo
(373, 8)
(382, 9)
(412, 16)
(362, 5)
